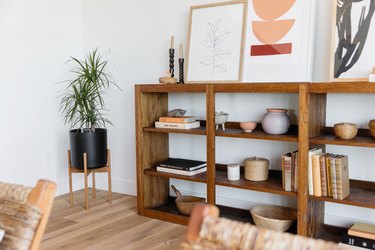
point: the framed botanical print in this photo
(353, 40)
(215, 42)
(279, 41)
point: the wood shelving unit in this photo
(153, 147)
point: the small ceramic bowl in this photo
(221, 118)
(248, 126)
(345, 130)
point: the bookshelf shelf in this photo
(153, 187)
(202, 178)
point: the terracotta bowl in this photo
(272, 9)
(273, 217)
(345, 130)
(248, 126)
(270, 32)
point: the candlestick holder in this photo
(171, 62)
(181, 68)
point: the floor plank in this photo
(107, 226)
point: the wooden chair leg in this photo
(93, 185)
(86, 184)
(109, 177)
(70, 178)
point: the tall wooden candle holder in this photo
(171, 62)
(181, 70)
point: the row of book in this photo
(182, 166)
(328, 174)
(289, 166)
(181, 122)
(359, 236)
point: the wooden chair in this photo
(207, 231)
(86, 172)
(23, 201)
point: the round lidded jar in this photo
(276, 121)
(256, 169)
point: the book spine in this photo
(333, 176)
(174, 167)
(296, 173)
(338, 179)
(177, 125)
(316, 175)
(293, 171)
(323, 175)
(288, 174)
(177, 119)
(181, 172)
(328, 173)
(358, 241)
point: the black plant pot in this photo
(94, 144)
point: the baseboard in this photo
(118, 185)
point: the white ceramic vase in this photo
(276, 121)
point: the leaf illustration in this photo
(207, 44)
(211, 28)
(218, 25)
(220, 68)
(207, 60)
(222, 54)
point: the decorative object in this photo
(233, 172)
(220, 119)
(371, 77)
(371, 125)
(279, 41)
(345, 130)
(86, 172)
(181, 61)
(171, 57)
(256, 169)
(176, 112)
(82, 105)
(168, 78)
(273, 217)
(353, 40)
(276, 121)
(186, 203)
(215, 42)
(248, 126)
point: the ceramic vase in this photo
(276, 121)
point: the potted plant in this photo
(82, 106)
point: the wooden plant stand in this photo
(87, 171)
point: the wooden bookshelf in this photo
(151, 101)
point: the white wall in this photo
(134, 35)
(37, 36)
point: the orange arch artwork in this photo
(271, 29)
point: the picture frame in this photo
(215, 42)
(352, 50)
(279, 42)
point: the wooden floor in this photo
(106, 226)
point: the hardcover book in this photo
(310, 171)
(332, 166)
(358, 241)
(342, 177)
(362, 230)
(287, 162)
(182, 164)
(180, 119)
(181, 172)
(323, 174)
(317, 186)
(175, 125)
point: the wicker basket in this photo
(345, 130)
(256, 169)
(273, 217)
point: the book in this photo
(287, 162)
(296, 172)
(294, 161)
(362, 230)
(358, 241)
(309, 169)
(174, 125)
(332, 171)
(317, 186)
(181, 172)
(180, 119)
(328, 173)
(350, 247)
(342, 177)
(323, 174)
(182, 164)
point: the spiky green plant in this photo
(82, 102)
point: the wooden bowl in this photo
(345, 130)
(371, 125)
(248, 126)
(273, 217)
(185, 203)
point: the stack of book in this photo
(289, 168)
(360, 236)
(182, 166)
(181, 122)
(328, 174)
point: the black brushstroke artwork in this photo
(216, 57)
(349, 48)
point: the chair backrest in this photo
(33, 203)
(207, 231)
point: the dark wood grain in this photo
(342, 87)
(363, 138)
(257, 88)
(210, 142)
(194, 131)
(164, 88)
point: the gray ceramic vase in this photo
(276, 121)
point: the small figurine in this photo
(221, 118)
(168, 78)
(176, 112)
